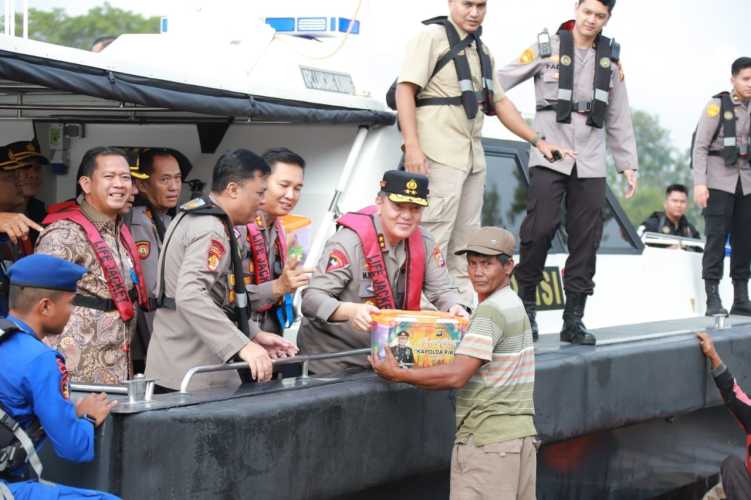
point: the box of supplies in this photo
(417, 338)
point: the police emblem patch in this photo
(64, 378)
(337, 260)
(438, 257)
(527, 56)
(713, 110)
(605, 62)
(216, 252)
(144, 249)
(566, 60)
(729, 115)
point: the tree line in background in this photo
(661, 163)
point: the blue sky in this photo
(677, 53)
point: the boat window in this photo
(505, 201)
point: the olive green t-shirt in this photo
(497, 403)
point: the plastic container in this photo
(298, 229)
(417, 338)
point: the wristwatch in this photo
(537, 138)
(88, 417)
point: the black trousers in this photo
(584, 199)
(727, 214)
(735, 479)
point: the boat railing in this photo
(304, 360)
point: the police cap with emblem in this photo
(46, 271)
(405, 187)
(490, 241)
(403, 333)
(20, 154)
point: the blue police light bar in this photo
(317, 26)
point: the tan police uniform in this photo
(342, 276)
(195, 268)
(581, 182)
(451, 142)
(96, 344)
(728, 209)
(149, 246)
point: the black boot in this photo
(741, 304)
(574, 330)
(714, 303)
(529, 299)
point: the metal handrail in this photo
(108, 389)
(304, 360)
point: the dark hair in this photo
(610, 4)
(89, 160)
(23, 299)
(740, 64)
(104, 40)
(237, 165)
(147, 155)
(283, 155)
(676, 188)
(502, 258)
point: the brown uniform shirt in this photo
(588, 142)
(711, 170)
(145, 235)
(96, 344)
(445, 133)
(197, 269)
(342, 276)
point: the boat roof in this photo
(265, 77)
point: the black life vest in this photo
(608, 51)
(17, 445)
(204, 206)
(731, 151)
(469, 99)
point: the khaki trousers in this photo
(498, 471)
(453, 214)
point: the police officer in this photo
(445, 87)
(402, 352)
(202, 317)
(379, 259)
(673, 220)
(158, 176)
(581, 103)
(722, 187)
(27, 158)
(274, 275)
(34, 383)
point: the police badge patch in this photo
(144, 249)
(337, 260)
(64, 378)
(713, 110)
(438, 257)
(216, 252)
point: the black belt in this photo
(100, 304)
(719, 153)
(577, 107)
(446, 101)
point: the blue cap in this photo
(46, 271)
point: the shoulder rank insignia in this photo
(527, 56)
(713, 110)
(337, 260)
(193, 204)
(144, 249)
(216, 252)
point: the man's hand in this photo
(387, 368)
(415, 160)
(547, 151)
(17, 226)
(360, 316)
(701, 195)
(277, 346)
(707, 347)
(458, 310)
(630, 175)
(293, 277)
(96, 406)
(258, 361)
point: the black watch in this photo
(88, 417)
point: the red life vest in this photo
(62, 206)
(259, 254)
(112, 275)
(363, 224)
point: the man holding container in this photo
(495, 452)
